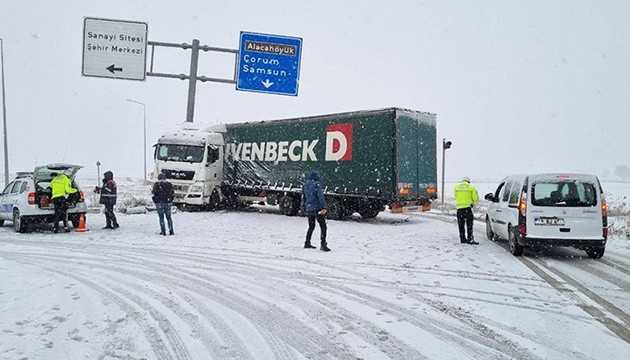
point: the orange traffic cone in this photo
(81, 227)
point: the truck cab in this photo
(192, 160)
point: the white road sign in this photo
(114, 49)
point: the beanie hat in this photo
(161, 176)
(466, 178)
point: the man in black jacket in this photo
(163, 198)
(108, 198)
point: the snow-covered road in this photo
(239, 285)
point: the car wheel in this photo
(515, 248)
(489, 233)
(74, 219)
(18, 222)
(595, 252)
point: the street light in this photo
(4, 117)
(144, 107)
(445, 145)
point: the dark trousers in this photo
(321, 219)
(110, 217)
(465, 217)
(61, 212)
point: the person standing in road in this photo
(61, 187)
(108, 198)
(315, 206)
(163, 198)
(465, 196)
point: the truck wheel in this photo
(368, 213)
(515, 248)
(213, 204)
(595, 252)
(18, 222)
(335, 209)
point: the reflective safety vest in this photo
(465, 195)
(61, 185)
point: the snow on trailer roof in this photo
(421, 116)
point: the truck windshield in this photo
(182, 153)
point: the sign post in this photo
(114, 49)
(269, 63)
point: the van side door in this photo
(503, 215)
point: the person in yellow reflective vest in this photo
(61, 186)
(465, 196)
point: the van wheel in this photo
(18, 222)
(1, 222)
(489, 233)
(595, 252)
(515, 248)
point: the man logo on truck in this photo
(338, 148)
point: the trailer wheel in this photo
(335, 209)
(289, 205)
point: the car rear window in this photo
(564, 193)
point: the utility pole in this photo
(445, 145)
(4, 117)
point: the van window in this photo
(573, 193)
(498, 193)
(23, 187)
(515, 193)
(506, 192)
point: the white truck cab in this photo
(192, 160)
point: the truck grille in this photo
(178, 174)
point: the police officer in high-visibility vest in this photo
(61, 186)
(465, 196)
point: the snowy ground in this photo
(239, 285)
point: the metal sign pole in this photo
(192, 80)
(4, 117)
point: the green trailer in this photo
(367, 160)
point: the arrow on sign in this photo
(267, 83)
(112, 68)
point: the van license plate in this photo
(554, 221)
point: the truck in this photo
(368, 160)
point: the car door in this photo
(6, 208)
(493, 208)
(502, 216)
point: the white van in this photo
(549, 209)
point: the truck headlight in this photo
(196, 188)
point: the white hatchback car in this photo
(549, 209)
(25, 201)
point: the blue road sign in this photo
(269, 63)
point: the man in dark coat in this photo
(108, 198)
(163, 198)
(315, 207)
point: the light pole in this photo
(144, 107)
(445, 145)
(4, 117)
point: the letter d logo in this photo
(339, 142)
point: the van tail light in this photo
(31, 198)
(522, 213)
(81, 198)
(604, 218)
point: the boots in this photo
(324, 247)
(307, 245)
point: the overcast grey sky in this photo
(518, 86)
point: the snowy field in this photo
(239, 285)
